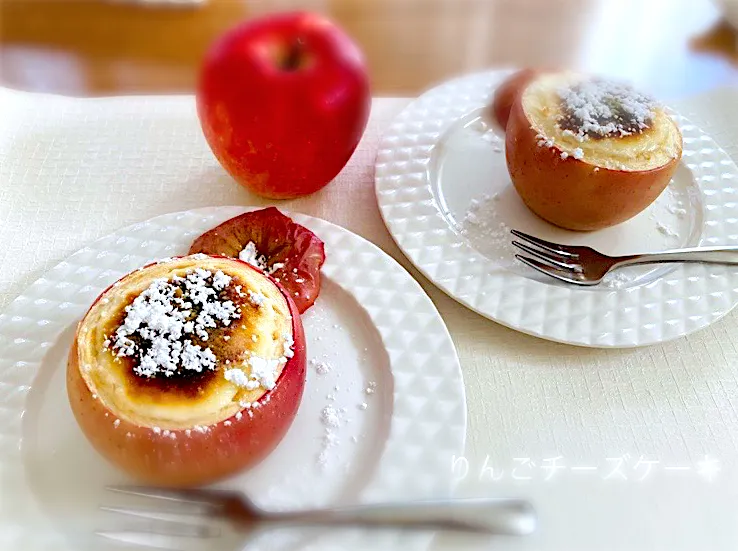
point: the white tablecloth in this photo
(73, 170)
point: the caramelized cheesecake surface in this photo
(603, 123)
(185, 343)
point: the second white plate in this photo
(446, 197)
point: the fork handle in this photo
(718, 255)
(481, 515)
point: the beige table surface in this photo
(74, 170)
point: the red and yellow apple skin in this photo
(283, 101)
(192, 457)
(281, 241)
(507, 92)
(573, 193)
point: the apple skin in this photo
(507, 92)
(202, 457)
(570, 193)
(283, 101)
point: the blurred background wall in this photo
(102, 47)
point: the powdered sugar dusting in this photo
(251, 255)
(667, 215)
(331, 418)
(600, 108)
(239, 378)
(289, 343)
(616, 280)
(543, 141)
(262, 371)
(256, 298)
(678, 211)
(484, 226)
(321, 368)
(666, 230)
(161, 323)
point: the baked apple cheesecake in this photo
(188, 370)
(585, 153)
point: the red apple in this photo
(114, 408)
(283, 101)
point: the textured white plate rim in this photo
(382, 485)
(404, 194)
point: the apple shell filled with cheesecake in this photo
(188, 370)
(585, 153)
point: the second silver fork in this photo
(585, 266)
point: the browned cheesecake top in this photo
(604, 123)
(189, 341)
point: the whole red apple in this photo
(283, 101)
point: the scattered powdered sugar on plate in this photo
(483, 226)
(666, 230)
(331, 418)
(616, 280)
(667, 214)
(370, 389)
(676, 210)
(491, 137)
(321, 367)
(479, 126)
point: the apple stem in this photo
(294, 56)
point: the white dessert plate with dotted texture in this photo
(446, 197)
(371, 324)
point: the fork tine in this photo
(139, 539)
(205, 497)
(182, 508)
(568, 277)
(545, 256)
(555, 248)
(179, 518)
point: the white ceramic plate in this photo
(442, 153)
(372, 322)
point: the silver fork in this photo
(192, 513)
(586, 266)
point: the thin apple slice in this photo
(293, 255)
